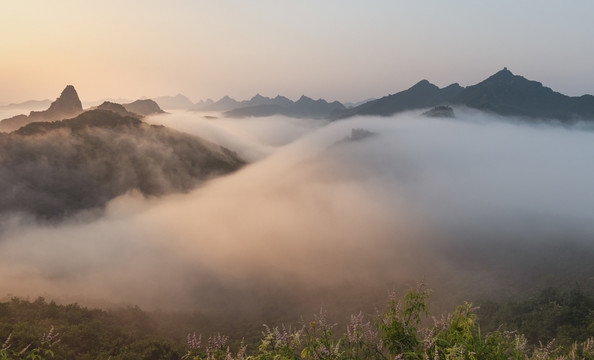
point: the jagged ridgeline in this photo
(55, 169)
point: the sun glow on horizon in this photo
(332, 50)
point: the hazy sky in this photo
(336, 49)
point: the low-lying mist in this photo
(475, 206)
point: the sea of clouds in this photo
(476, 206)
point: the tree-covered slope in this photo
(53, 169)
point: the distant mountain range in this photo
(502, 93)
(304, 107)
(51, 173)
(178, 102)
(226, 103)
(259, 106)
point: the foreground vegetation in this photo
(402, 330)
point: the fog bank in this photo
(474, 206)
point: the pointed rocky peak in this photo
(258, 97)
(503, 73)
(304, 98)
(69, 91)
(68, 103)
(424, 85)
(505, 79)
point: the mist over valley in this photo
(475, 206)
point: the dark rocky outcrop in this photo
(442, 111)
(224, 104)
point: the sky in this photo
(334, 49)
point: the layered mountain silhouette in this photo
(304, 107)
(174, 102)
(264, 106)
(66, 105)
(59, 168)
(502, 93)
(224, 104)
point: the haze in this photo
(337, 50)
(476, 206)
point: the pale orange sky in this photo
(338, 50)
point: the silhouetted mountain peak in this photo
(504, 73)
(69, 90)
(424, 85)
(304, 98)
(67, 103)
(506, 78)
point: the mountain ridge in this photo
(503, 93)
